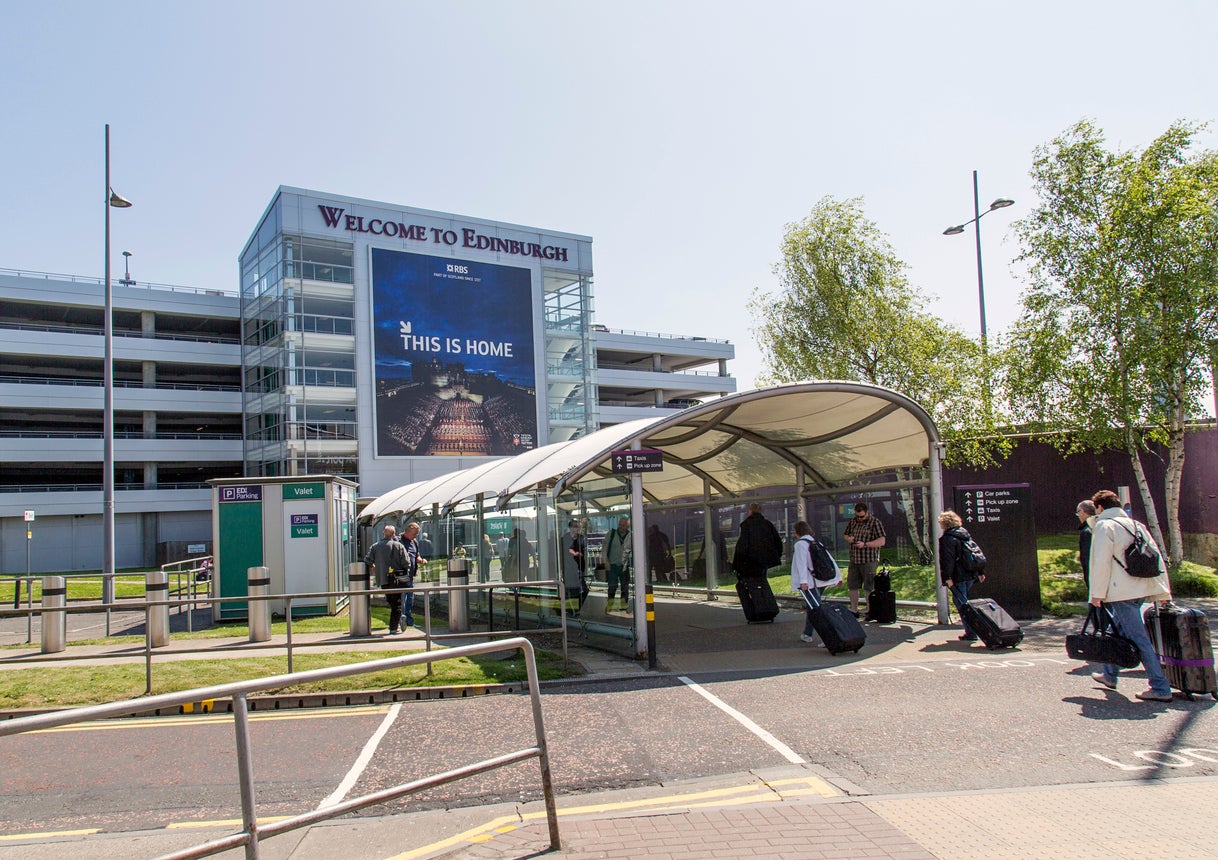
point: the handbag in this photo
(667, 564)
(1098, 641)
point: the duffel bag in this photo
(1098, 641)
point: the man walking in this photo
(388, 557)
(410, 540)
(759, 547)
(618, 553)
(1111, 532)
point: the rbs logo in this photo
(459, 270)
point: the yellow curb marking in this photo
(168, 722)
(222, 822)
(763, 792)
(52, 833)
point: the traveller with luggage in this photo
(758, 548)
(1126, 570)
(962, 563)
(809, 572)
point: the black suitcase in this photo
(836, 624)
(882, 606)
(1182, 641)
(991, 622)
(757, 600)
(883, 580)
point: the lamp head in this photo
(117, 201)
(1002, 203)
(952, 231)
(126, 253)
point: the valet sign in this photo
(304, 526)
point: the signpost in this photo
(633, 460)
(999, 517)
(29, 537)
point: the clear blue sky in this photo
(682, 136)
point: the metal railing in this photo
(88, 279)
(543, 590)
(252, 832)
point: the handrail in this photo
(251, 831)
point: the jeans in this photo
(1129, 623)
(809, 628)
(960, 594)
(617, 574)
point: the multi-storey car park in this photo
(376, 342)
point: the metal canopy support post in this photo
(710, 552)
(801, 504)
(638, 533)
(936, 505)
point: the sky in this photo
(682, 136)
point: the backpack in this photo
(1141, 556)
(972, 559)
(824, 568)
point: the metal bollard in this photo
(458, 601)
(258, 585)
(54, 624)
(156, 587)
(361, 599)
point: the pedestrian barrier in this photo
(252, 832)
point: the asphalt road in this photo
(980, 721)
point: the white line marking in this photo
(365, 756)
(783, 750)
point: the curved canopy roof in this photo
(837, 431)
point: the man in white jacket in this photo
(1111, 532)
(802, 577)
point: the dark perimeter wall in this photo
(1058, 484)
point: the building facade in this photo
(380, 343)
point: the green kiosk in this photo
(301, 529)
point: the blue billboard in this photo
(453, 363)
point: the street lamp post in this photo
(117, 202)
(1000, 203)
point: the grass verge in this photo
(88, 685)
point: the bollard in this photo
(259, 583)
(54, 623)
(156, 587)
(458, 601)
(361, 598)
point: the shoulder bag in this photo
(1098, 641)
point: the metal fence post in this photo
(156, 588)
(54, 623)
(458, 599)
(258, 582)
(360, 601)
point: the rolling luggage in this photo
(835, 624)
(882, 606)
(882, 602)
(991, 622)
(757, 600)
(1182, 641)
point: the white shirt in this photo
(801, 567)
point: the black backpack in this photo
(1141, 556)
(824, 568)
(972, 559)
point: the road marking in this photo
(753, 792)
(783, 750)
(363, 759)
(209, 719)
(223, 822)
(51, 834)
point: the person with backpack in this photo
(804, 573)
(759, 547)
(961, 563)
(1123, 575)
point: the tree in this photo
(1115, 346)
(845, 310)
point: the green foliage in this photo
(845, 310)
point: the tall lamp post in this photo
(1000, 203)
(117, 202)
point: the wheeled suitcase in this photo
(1182, 641)
(756, 599)
(835, 624)
(882, 606)
(991, 622)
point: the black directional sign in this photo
(637, 460)
(999, 517)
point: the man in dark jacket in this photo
(759, 547)
(1085, 511)
(388, 557)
